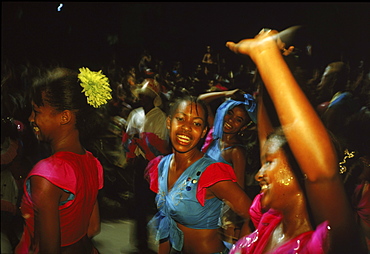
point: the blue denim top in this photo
(180, 204)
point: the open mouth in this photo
(264, 186)
(227, 126)
(183, 139)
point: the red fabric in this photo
(214, 173)
(80, 174)
(152, 145)
(148, 142)
(151, 173)
(129, 146)
(221, 87)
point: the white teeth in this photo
(227, 125)
(264, 187)
(183, 138)
(35, 128)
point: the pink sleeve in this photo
(56, 171)
(208, 140)
(214, 173)
(151, 173)
(319, 242)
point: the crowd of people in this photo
(270, 157)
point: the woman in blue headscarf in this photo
(225, 143)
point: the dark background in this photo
(92, 34)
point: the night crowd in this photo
(136, 137)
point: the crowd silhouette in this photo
(338, 92)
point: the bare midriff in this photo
(201, 241)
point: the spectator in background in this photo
(334, 79)
(225, 143)
(209, 62)
(146, 137)
(15, 164)
(14, 168)
(145, 62)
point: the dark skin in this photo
(235, 121)
(187, 127)
(58, 129)
(311, 147)
(239, 119)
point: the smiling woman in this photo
(60, 204)
(191, 187)
(234, 118)
(315, 217)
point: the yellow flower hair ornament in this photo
(95, 86)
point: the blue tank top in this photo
(181, 205)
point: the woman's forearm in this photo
(294, 109)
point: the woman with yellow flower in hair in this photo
(60, 204)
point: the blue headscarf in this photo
(250, 106)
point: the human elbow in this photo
(94, 230)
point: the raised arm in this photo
(264, 124)
(307, 137)
(211, 96)
(293, 108)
